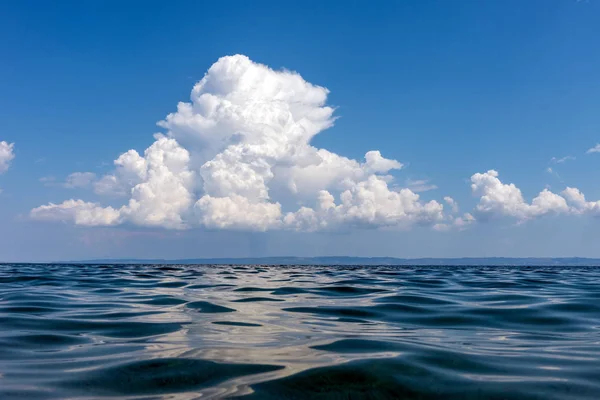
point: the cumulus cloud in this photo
(6, 155)
(370, 203)
(238, 212)
(595, 149)
(579, 204)
(501, 199)
(78, 211)
(238, 155)
(498, 198)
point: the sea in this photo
(299, 332)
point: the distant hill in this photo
(333, 260)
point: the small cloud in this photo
(555, 160)
(553, 173)
(420, 185)
(441, 227)
(73, 181)
(462, 222)
(595, 149)
(40, 160)
(48, 180)
(79, 180)
(452, 203)
(6, 155)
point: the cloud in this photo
(79, 180)
(76, 180)
(78, 211)
(238, 212)
(464, 221)
(458, 223)
(452, 203)
(500, 199)
(552, 172)
(238, 155)
(6, 155)
(595, 149)
(369, 203)
(47, 180)
(421, 185)
(579, 204)
(562, 160)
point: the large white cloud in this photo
(501, 199)
(498, 198)
(239, 154)
(6, 155)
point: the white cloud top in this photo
(239, 154)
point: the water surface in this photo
(258, 332)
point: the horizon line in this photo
(346, 260)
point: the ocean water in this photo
(300, 332)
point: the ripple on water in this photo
(299, 332)
(234, 323)
(347, 291)
(361, 346)
(256, 299)
(43, 340)
(163, 300)
(253, 289)
(334, 311)
(159, 376)
(208, 307)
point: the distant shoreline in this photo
(343, 260)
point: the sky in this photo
(267, 128)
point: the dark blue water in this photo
(186, 332)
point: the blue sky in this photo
(448, 89)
